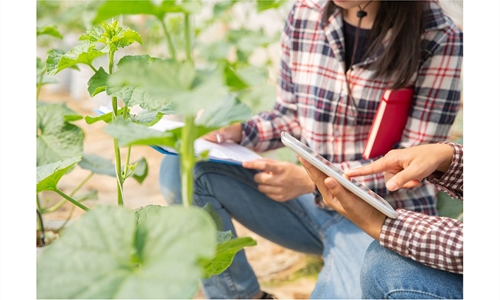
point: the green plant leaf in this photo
(233, 80)
(209, 208)
(114, 8)
(51, 30)
(112, 35)
(449, 207)
(188, 89)
(110, 252)
(97, 164)
(80, 54)
(102, 166)
(147, 118)
(141, 170)
(133, 94)
(186, 6)
(128, 133)
(97, 83)
(107, 117)
(56, 138)
(224, 255)
(48, 176)
(269, 4)
(225, 112)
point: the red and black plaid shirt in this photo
(312, 101)
(437, 242)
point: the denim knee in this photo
(373, 270)
(169, 179)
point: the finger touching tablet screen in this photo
(329, 169)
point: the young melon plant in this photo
(155, 251)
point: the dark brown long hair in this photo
(402, 56)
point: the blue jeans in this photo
(388, 275)
(297, 224)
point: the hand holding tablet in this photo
(329, 169)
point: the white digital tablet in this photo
(329, 169)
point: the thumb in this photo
(336, 189)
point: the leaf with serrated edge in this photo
(56, 138)
(111, 253)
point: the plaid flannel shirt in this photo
(434, 241)
(312, 102)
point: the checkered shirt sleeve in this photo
(431, 240)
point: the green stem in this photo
(187, 36)
(92, 67)
(61, 203)
(84, 181)
(71, 200)
(188, 160)
(118, 171)
(67, 219)
(118, 162)
(170, 45)
(127, 162)
(39, 84)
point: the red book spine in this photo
(389, 123)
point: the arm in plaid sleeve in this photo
(434, 241)
(452, 181)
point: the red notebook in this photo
(389, 123)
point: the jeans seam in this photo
(414, 292)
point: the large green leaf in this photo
(48, 176)
(114, 8)
(81, 54)
(112, 253)
(57, 139)
(128, 133)
(224, 112)
(179, 83)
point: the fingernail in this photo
(218, 138)
(391, 186)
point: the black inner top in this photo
(350, 38)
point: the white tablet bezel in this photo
(329, 169)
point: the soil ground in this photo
(282, 272)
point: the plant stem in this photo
(71, 200)
(187, 36)
(127, 162)
(42, 228)
(188, 160)
(61, 203)
(118, 162)
(170, 45)
(81, 184)
(39, 84)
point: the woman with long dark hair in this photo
(337, 59)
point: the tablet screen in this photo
(329, 169)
